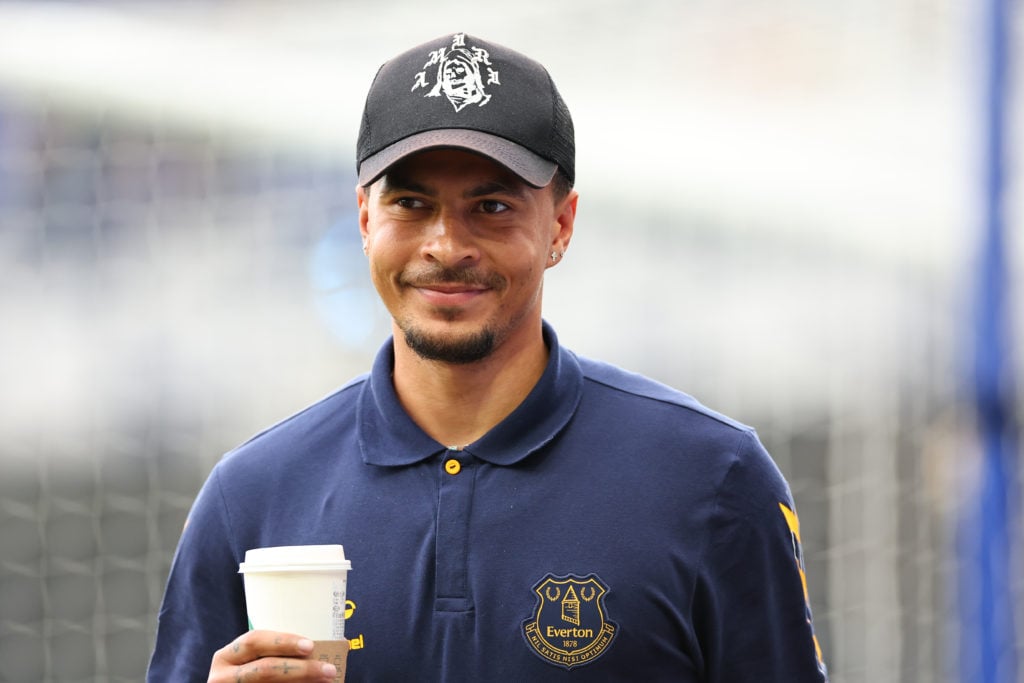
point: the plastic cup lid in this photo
(295, 558)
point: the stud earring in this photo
(554, 256)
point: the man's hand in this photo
(266, 656)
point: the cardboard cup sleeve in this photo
(331, 652)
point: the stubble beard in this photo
(457, 350)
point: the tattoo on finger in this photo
(286, 668)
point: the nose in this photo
(449, 241)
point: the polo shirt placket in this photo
(454, 503)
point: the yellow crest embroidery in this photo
(569, 627)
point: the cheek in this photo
(530, 279)
(382, 265)
(383, 249)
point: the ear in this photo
(363, 202)
(562, 227)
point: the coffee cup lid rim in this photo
(300, 558)
(248, 568)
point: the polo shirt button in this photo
(452, 466)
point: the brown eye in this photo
(409, 203)
(493, 206)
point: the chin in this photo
(450, 347)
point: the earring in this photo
(554, 256)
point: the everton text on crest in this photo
(569, 627)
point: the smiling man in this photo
(512, 511)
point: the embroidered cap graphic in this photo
(569, 627)
(461, 73)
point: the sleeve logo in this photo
(569, 627)
(793, 522)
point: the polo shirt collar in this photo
(389, 437)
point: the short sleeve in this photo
(751, 610)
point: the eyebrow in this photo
(397, 183)
(494, 187)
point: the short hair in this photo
(561, 186)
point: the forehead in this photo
(450, 165)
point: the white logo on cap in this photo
(460, 72)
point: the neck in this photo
(456, 404)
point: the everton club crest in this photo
(569, 627)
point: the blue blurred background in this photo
(783, 211)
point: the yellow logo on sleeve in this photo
(793, 522)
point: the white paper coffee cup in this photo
(297, 589)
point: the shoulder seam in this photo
(743, 441)
(707, 412)
(224, 505)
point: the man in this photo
(512, 512)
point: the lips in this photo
(453, 281)
(450, 288)
(450, 295)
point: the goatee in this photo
(456, 350)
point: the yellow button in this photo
(453, 466)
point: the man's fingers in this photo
(268, 656)
(274, 669)
(258, 644)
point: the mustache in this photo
(452, 276)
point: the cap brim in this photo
(534, 169)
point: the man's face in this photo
(458, 247)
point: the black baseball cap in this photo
(463, 92)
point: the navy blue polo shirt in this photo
(609, 529)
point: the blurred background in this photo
(783, 212)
